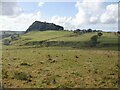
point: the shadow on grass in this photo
(86, 45)
(59, 44)
(74, 44)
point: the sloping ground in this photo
(41, 36)
(67, 39)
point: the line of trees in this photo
(80, 31)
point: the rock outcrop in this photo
(43, 26)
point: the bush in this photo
(89, 30)
(15, 37)
(118, 32)
(4, 74)
(100, 34)
(25, 64)
(94, 40)
(21, 76)
(6, 42)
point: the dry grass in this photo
(61, 68)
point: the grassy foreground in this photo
(59, 65)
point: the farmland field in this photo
(61, 59)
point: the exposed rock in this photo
(43, 26)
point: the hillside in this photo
(66, 39)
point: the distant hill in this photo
(43, 26)
(4, 34)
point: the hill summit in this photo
(43, 26)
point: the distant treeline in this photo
(5, 34)
(86, 30)
(81, 31)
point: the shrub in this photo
(15, 37)
(100, 34)
(21, 76)
(25, 64)
(118, 32)
(94, 40)
(6, 42)
(4, 74)
(89, 30)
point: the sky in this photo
(16, 15)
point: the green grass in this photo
(83, 37)
(89, 69)
(71, 63)
(39, 36)
(66, 39)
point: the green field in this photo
(61, 59)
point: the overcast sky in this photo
(83, 14)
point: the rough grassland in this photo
(61, 67)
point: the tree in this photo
(94, 30)
(118, 32)
(15, 37)
(94, 40)
(6, 42)
(89, 30)
(100, 34)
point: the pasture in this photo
(62, 60)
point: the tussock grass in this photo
(61, 64)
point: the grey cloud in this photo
(9, 8)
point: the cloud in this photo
(92, 12)
(94, 19)
(40, 3)
(21, 22)
(110, 15)
(12, 17)
(89, 13)
(10, 8)
(63, 21)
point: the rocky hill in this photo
(43, 26)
